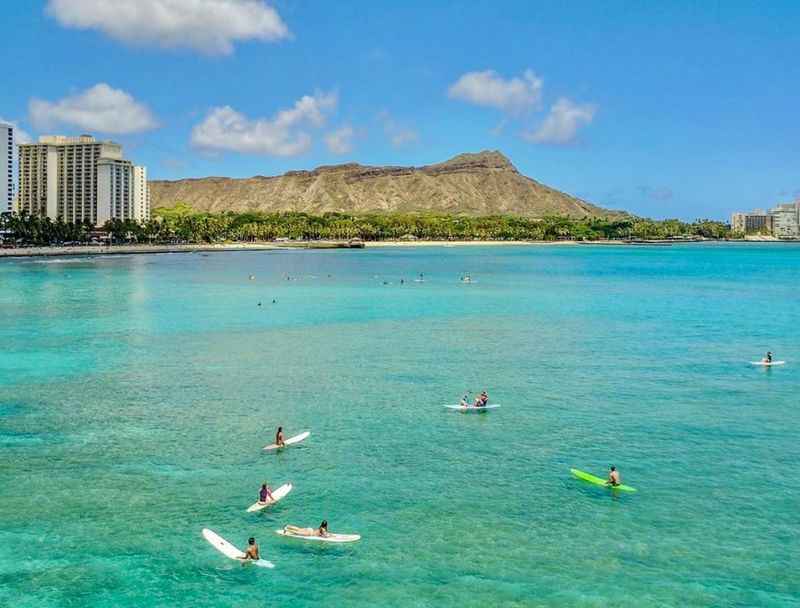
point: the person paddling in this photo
(279, 438)
(613, 477)
(265, 494)
(251, 553)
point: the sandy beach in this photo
(149, 249)
(462, 243)
(130, 249)
(265, 246)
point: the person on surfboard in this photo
(251, 553)
(279, 438)
(297, 531)
(265, 494)
(768, 358)
(465, 400)
(482, 399)
(613, 477)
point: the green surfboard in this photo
(599, 482)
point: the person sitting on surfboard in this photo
(321, 531)
(613, 477)
(279, 438)
(465, 400)
(265, 494)
(482, 400)
(768, 358)
(252, 550)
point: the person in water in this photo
(613, 477)
(279, 438)
(768, 358)
(251, 553)
(297, 531)
(265, 494)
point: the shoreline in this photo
(89, 251)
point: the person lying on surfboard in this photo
(265, 494)
(321, 531)
(252, 550)
(279, 438)
(613, 477)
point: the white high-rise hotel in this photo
(81, 179)
(6, 167)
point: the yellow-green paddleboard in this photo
(600, 482)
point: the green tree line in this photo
(183, 224)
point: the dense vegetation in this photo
(182, 224)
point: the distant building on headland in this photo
(80, 179)
(782, 221)
(786, 220)
(752, 223)
(6, 167)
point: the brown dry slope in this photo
(474, 184)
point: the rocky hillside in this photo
(475, 184)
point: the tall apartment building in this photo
(114, 189)
(141, 195)
(738, 221)
(76, 179)
(6, 167)
(786, 220)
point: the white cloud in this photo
(659, 193)
(208, 26)
(562, 123)
(499, 128)
(399, 135)
(488, 88)
(340, 141)
(20, 135)
(403, 136)
(99, 108)
(226, 129)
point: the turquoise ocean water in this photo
(137, 391)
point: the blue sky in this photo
(668, 109)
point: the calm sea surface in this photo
(136, 393)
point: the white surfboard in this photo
(767, 364)
(331, 538)
(276, 496)
(290, 441)
(471, 409)
(230, 551)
